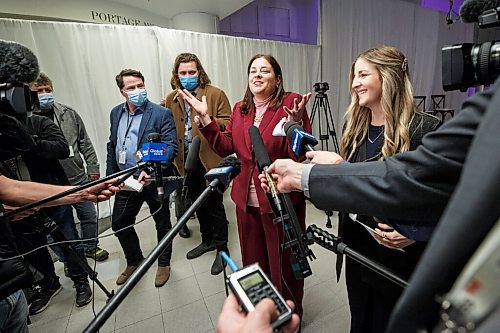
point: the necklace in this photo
(258, 118)
(376, 138)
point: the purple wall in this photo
(292, 20)
(443, 5)
(282, 20)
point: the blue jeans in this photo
(87, 215)
(14, 313)
(63, 217)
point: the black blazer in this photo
(357, 238)
(472, 212)
(401, 185)
(413, 185)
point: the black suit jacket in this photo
(473, 210)
(402, 185)
(413, 185)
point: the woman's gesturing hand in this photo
(200, 107)
(296, 113)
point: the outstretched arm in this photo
(18, 193)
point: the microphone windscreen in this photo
(290, 127)
(18, 64)
(472, 9)
(259, 148)
(231, 161)
(154, 137)
(192, 155)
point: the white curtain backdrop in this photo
(83, 60)
(351, 27)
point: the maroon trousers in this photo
(261, 240)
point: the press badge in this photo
(122, 157)
(71, 151)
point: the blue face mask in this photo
(137, 97)
(189, 82)
(46, 101)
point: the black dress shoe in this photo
(218, 264)
(185, 232)
(200, 249)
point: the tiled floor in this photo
(192, 298)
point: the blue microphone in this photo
(300, 140)
(155, 152)
(221, 176)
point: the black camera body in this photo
(17, 102)
(18, 99)
(321, 87)
(469, 65)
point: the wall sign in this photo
(117, 19)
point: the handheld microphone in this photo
(472, 9)
(300, 140)
(263, 162)
(191, 163)
(221, 176)
(155, 152)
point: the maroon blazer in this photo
(235, 139)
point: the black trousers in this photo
(211, 215)
(30, 238)
(126, 207)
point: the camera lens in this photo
(485, 57)
(468, 65)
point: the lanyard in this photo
(129, 123)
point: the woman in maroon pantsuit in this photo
(265, 103)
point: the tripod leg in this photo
(329, 213)
(332, 130)
(57, 236)
(314, 108)
(319, 105)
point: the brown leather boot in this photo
(123, 277)
(162, 275)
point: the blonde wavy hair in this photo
(396, 102)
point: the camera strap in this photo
(15, 168)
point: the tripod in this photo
(52, 229)
(322, 106)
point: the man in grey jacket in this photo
(80, 146)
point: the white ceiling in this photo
(170, 8)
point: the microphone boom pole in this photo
(127, 287)
(334, 244)
(127, 172)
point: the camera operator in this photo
(18, 66)
(13, 305)
(43, 166)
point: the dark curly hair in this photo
(188, 57)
